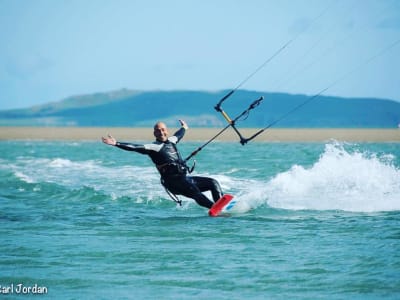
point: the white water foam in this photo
(116, 181)
(339, 180)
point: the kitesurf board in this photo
(223, 204)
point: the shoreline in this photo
(202, 134)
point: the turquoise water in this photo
(89, 221)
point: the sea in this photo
(83, 220)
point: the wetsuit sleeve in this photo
(132, 147)
(178, 135)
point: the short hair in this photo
(158, 124)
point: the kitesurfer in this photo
(173, 170)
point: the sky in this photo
(53, 49)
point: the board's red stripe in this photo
(219, 205)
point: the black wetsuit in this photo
(173, 170)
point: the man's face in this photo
(161, 132)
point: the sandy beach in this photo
(201, 134)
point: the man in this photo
(173, 170)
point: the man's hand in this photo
(109, 140)
(183, 124)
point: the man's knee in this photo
(215, 183)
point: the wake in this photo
(340, 180)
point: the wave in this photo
(341, 179)
(115, 181)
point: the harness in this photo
(174, 197)
(174, 168)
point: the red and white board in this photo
(223, 204)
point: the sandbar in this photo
(202, 134)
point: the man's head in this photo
(161, 132)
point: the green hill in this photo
(142, 109)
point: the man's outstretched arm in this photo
(181, 132)
(109, 140)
